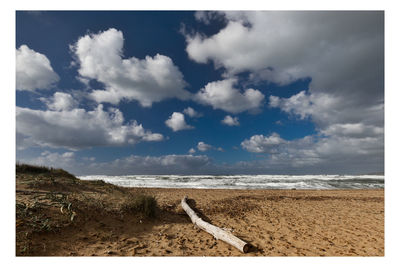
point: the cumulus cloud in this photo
(33, 70)
(328, 110)
(78, 128)
(263, 144)
(201, 146)
(222, 95)
(336, 49)
(342, 53)
(348, 140)
(192, 151)
(354, 130)
(191, 112)
(177, 122)
(319, 105)
(231, 121)
(152, 79)
(60, 101)
(269, 74)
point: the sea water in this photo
(245, 181)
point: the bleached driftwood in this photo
(217, 232)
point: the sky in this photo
(163, 92)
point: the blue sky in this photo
(273, 92)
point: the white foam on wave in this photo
(244, 181)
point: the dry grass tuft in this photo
(146, 205)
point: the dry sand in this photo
(274, 222)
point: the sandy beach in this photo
(274, 222)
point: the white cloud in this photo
(177, 122)
(54, 159)
(263, 144)
(354, 130)
(192, 151)
(308, 155)
(341, 52)
(153, 79)
(161, 165)
(167, 164)
(60, 101)
(222, 95)
(205, 16)
(191, 112)
(201, 146)
(316, 154)
(231, 121)
(328, 111)
(279, 77)
(348, 139)
(77, 128)
(300, 104)
(33, 70)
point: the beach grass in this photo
(49, 201)
(143, 204)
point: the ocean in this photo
(245, 181)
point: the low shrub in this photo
(146, 205)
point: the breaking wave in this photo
(245, 181)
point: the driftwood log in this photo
(217, 232)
